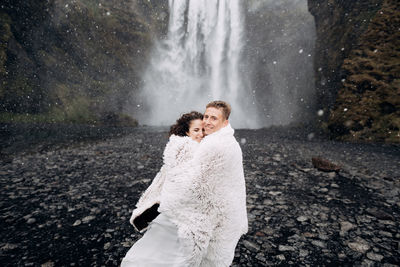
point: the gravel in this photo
(70, 205)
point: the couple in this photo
(196, 204)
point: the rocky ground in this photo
(70, 205)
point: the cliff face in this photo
(75, 59)
(280, 37)
(339, 25)
(357, 68)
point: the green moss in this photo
(20, 87)
(28, 118)
(117, 119)
(20, 95)
(78, 116)
(367, 106)
(78, 110)
(5, 35)
(82, 65)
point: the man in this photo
(209, 204)
(216, 116)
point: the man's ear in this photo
(226, 122)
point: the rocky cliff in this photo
(357, 68)
(280, 37)
(75, 60)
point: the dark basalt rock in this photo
(76, 59)
(339, 25)
(357, 68)
(324, 165)
(70, 205)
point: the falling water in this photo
(199, 61)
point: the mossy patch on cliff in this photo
(75, 60)
(5, 35)
(339, 25)
(367, 107)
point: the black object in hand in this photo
(143, 220)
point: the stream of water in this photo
(197, 63)
(257, 57)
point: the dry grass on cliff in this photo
(368, 105)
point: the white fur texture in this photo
(202, 190)
(206, 198)
(178, 150)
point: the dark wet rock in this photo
(82, 195)
(318, 243)
(324, 165)
(48, 264)
(88, 219)
(286, 248)
(281, 257)
(31, 221)
(302, 219)
(5, 158)
(77, 222)
(9, 246)
(303, 253)
(356, 68)
(361, 247)
(94, 53)
(251, 246)
(345, 227)
(379, 214)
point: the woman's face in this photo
(196, 130)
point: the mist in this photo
(279, 56)
(267, 75)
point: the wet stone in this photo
(9, 246)
(385, 234)
(359, 247)
(31, 221)
(303, 253)
(260, 257)
(367, 263)
(286, 248)
(302, 219)
(88, 219)
(48, 264)
(281, 257)
(251, 246)
(374, 256)
(297, 214)
(318, 243)
(323, 190)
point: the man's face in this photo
(213, 120)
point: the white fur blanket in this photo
(206, 198)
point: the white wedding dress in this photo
(202, 198)
(159, 247)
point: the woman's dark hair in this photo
(181, 127)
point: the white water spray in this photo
(198, 62)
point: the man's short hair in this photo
(225, 107)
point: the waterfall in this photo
(257, 55)
(198, 62)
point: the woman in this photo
(160, 245)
